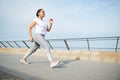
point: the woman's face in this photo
(42, 13)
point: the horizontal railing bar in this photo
(90, 39)
(84, 38)
(72, 39)
(87, 47)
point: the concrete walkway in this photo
(68, 70)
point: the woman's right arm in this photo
(33, 23)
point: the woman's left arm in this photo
(50, 26)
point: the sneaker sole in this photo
(56, 64)
(23, 62)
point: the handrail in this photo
(66, 42)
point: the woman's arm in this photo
(33, 23)
(50, 26)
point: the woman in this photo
(40, 30)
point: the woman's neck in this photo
(40, 17)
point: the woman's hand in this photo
(31, 39)
(50, 26)
(51, 21)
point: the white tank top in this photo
(40, 27)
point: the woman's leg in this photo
(41, 40)
(30, 52)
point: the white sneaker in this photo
(24, 62)
(54, 64)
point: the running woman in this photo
(39, 39)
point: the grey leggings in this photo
(39, 40)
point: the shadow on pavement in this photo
(60, 65)
(63, 63)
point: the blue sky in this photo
(72, 18)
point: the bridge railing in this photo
(94, 43)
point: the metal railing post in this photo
(25, 44)
(66, 45)
(117, 44)
(49, 44)
(88, 44)
(16, 44)
(3, 44)
(9, 44)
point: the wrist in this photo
(30, 36)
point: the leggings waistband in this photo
(41, 34)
